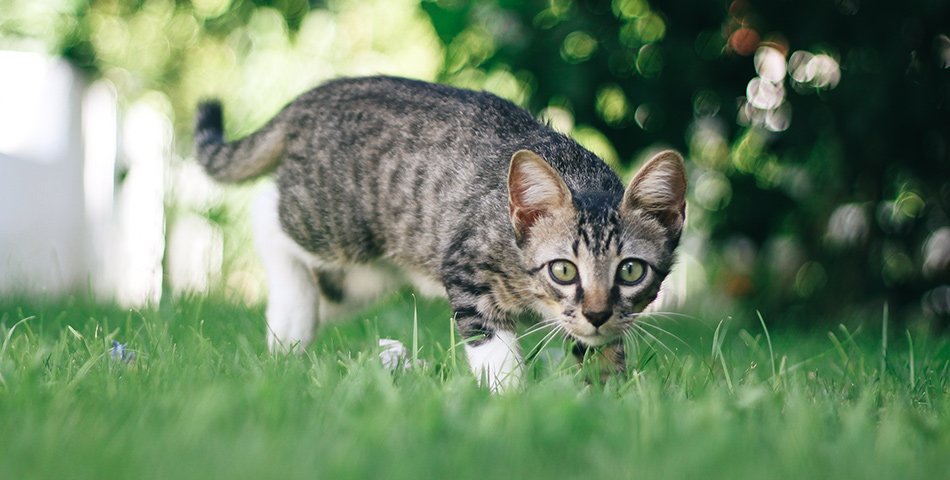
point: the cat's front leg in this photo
(607, 360)
(494, 355)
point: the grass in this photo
(203, 399)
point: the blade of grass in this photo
(718, 339)
(6, 341)
(913, 373)
(452, 345)
(415, 331)
(768, 340)
(839, 348)
(884, 341)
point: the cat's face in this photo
(596, 263)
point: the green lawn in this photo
(202, 399)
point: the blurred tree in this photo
(817, 130)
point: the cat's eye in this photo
(563, 272)
(631, 271)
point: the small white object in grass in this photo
(393, 354)
(121, 353)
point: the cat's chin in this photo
(595, 340)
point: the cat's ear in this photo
(534, 190)
(659, 189)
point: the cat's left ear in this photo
(659, 189)
(534, 190)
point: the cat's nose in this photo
(598, 318)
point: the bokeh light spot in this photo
(942, 47)
(897, 267)
(910, 205)
(705, 103)
(809, 279)
(796, 65)
(779, 119)
(559, 118)
(765, 95)
(210, 8)
(770, 64)
(629, 8)
(612, 105)
(747, 152)
(595, 141)
(578, 47)
(713, 191)
(937, 253)
(847, 226)
(743, 41)
(650, 60)
(707, 143)
(647, 117)
(823, 71)
(819, 71)
(650, 28)
(937, 301)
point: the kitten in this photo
(466, 194)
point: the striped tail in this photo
(232, 162)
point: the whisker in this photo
(547, 337)
(558, 331)
(543, 343)
(635, 341)
(551, 336)
(653, 338)
(544, 324)
(669, 315)
(663, 330)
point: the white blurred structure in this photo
(65, 226)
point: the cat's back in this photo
(377, 124)
(384, 166)
(396, 95)
(418, 115)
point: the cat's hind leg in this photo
(347, 289)
(293, 294)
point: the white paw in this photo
(394, 354)
(496, 363)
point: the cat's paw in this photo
(496, 362)
(393, 354)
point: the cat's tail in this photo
(232, 162)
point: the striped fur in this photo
(457, 189)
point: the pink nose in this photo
(597, 318)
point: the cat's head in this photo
(596, 260)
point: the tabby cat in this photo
(467, 196)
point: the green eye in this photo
(631, 271)
(563, 272)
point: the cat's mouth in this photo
(591, 335)
(575, 326)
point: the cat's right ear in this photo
(534, 190)
(659, 189)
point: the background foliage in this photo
(816, 132)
